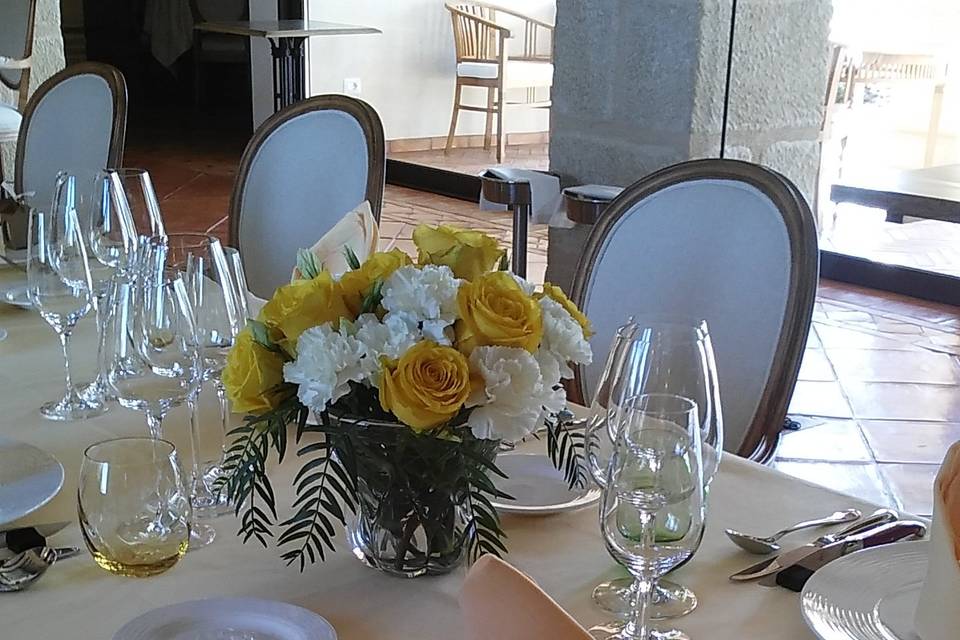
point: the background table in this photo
(932, 193)
(563, 553)
(286, 39)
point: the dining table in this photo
(563, 553)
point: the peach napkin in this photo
(358, 230)
(938, 610)
(500, 603)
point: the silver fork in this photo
(22, 570)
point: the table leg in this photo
(289, 73)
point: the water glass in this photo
(133, 506)
(656, 465)
(655, 357)
(60, 288)
(134, 188)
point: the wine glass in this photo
(654, 357)
(60, 288)
(219, 317)
(133, 506)
(136, 192)
(150, 357)
(656, 465)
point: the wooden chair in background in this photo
(484, 59)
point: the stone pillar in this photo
(47, 60)
(638, 85)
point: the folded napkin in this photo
(938, 609)
(545, 197)
(500, 603)
(358, 230)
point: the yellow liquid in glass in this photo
(141, 561)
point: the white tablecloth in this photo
(564, 553)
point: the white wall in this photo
(408, 71)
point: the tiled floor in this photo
(879, 391)
(474, 160)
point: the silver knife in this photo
(45, 530)
(777, 563)
(796, 575)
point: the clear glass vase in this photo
(412, 517)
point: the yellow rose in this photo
(556, 293)
(494, 310)
(252, 375)
(469, 254)
(303, 304)
(427, 386)
(380, 265)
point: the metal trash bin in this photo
(586, 203)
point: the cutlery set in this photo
(793, 568)
(25, 556)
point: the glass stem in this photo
(65, 346)
(194, 443)
(645, 583)
(155, 424)
(224, 414)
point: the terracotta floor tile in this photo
(816, 367)
(910, 442)
(875, 365)
(819, 399)
(911, 485)
(832, 441)
(842, 337)
(896, 401)
(861, 480)
(205, 185)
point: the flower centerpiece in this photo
(415, 374)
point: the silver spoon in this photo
(763, 545)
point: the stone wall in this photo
(639, 85)
(47, 60)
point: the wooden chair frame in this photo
(479, 38)
(365, 115)
(118, 89)
(22, 86)
(763, 434)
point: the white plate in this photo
(15, 295)
(228, 619)
(868, 595)
(29, 478)
(539, 488)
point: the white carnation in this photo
(514, 397)
(528, 287)
(427, 294)
(326, 362)
(563, 339)
(390, 338)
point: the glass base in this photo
(207, 501)
(73, 407)
(200, 535)
(618, 630)
(670, 600)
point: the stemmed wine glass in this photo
(655, 357)
(60, 288)
(135, 190)
(656, 465)
(219, 316)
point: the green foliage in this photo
(565, 447)
(373, 297)
(352, 260)
(504, 263)
(307, 264)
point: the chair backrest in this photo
(305, 167)
(76, 119)
(17, 18)
(728, 241)
(476, 35)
